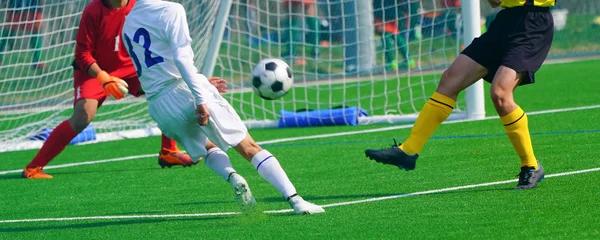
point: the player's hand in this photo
(112, 85)
(495, 3)
(202, 114)
(220, 84)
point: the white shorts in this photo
(175, 113)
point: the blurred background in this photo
(430, 28)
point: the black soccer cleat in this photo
(529, 177)
(393, 156)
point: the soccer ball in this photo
(272, 78)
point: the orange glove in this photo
(112, 85)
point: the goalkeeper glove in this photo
(112, 85)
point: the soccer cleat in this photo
(243, 195)
(393, 156)
(35, 173)
(529, 177)
(301, 206)
(169, 158)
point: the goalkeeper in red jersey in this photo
(101, 62)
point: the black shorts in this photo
(519, 38)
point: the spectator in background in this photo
(452, 15)
(301, 13)
(24, 16)
(251, 20)
(386, 26)
(410, 18)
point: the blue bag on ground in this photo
(325, 117)
(88, 134)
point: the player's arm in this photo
(84, 42)
(84, 56)
(183, 57)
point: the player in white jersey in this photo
(188, 108)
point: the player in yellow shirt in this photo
(507, 56)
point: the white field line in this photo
(410, 125)
(88, 163)
(120, 217)
(290, 210)
(310, 137)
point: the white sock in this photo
(218, 161)
(268, 167)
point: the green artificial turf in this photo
(333, 170)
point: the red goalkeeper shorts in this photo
(87, 87)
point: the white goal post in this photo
(474, 93)
(344, 53)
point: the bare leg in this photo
(83, 114)
(505, 83)
(513, 117)
(463, 72)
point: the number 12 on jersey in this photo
(148, 59)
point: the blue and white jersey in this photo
(156, 34)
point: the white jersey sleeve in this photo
(183, 55)
(156, 34)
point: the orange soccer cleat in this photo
(35, 173)
(169, 158)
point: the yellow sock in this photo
(435, 111)
(517, 130)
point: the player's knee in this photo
(210, 145)
(80, 121)
(500, 98)
(252, 150)
(450, 83)
(248, 149)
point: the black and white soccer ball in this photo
(272, 78)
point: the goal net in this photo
(383, 56)
(36, 77)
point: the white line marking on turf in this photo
(410, 125)
(290, 210)
(454, 188)
(88, 163)
(291, 139)
(120, 217)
